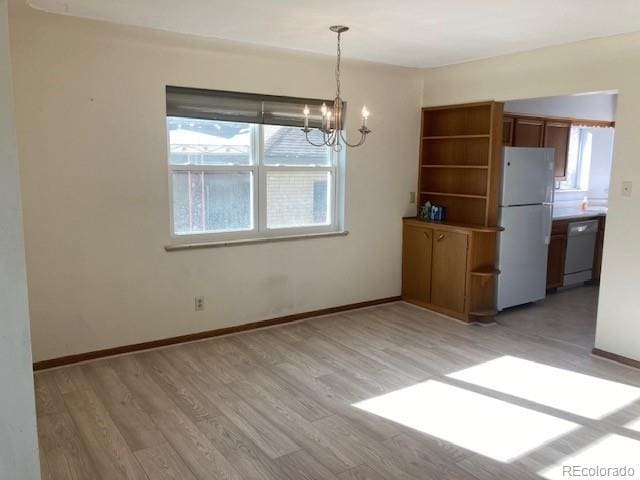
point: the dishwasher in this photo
(581, 244)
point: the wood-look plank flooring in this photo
(566, 315)
(277, 404)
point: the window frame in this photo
(259, 201)
(581, 181)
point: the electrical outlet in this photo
(199, 303)
(626, 189)
(412, 197)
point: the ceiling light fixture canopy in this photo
(332, 127)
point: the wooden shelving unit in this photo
(459, 195)
(450, 267)
(480, 167)
(460, 153)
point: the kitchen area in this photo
(570, 139)
(512, 200)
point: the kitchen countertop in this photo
(564, 213)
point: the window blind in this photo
(243, 107)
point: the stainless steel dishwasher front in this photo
(581, 244)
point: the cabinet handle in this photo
(440, 237)
(426, 235)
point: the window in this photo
(578, 160)
(233, 179)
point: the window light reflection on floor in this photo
(634, 425)
(565, 390)
(476, 422)
(611, 451)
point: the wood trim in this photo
(457, 227)
(107, 352)
(573, 121)
(616, 358)
(459, 105)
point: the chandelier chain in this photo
(338, 66)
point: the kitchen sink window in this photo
(241, 168)
(578, 160)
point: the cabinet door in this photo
(597, 258)
(449, 270)
(556, 135)
(528, 132)
(555, 260)
(416, 263)
(507, 131)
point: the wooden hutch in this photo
(450, 267)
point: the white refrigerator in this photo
(526, 210)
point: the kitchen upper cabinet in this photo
(448, 271)
(507, 131)
(556, 135)
(521, 131)
(528, 132)
(416, 263)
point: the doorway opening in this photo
(558, 290)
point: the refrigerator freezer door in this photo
(527, 176)
(523, 254)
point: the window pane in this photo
(288, 146)
(298, 199)
(208, 142)
(212, 202)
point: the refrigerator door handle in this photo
(547, 221)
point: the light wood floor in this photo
(567, 315)
(277, 404)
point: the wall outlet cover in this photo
(199, 304)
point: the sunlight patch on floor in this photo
(611, 451)
(476, 422)
(565, 390)
(634, 425)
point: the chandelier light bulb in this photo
(323, 109)
(365, 112)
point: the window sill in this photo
(251, 241)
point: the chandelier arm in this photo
(306, 133)
(362, 140)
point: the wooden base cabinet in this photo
(555, 260)
(450, 269)
(416, 261)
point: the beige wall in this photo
(18, 441)
(92, 144)
(604, 64)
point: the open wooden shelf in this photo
(479, 167)
(485, 272)
(455, 137)
(460, 161)
(458, 195)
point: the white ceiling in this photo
(414, 33)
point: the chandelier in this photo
(332, 118)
